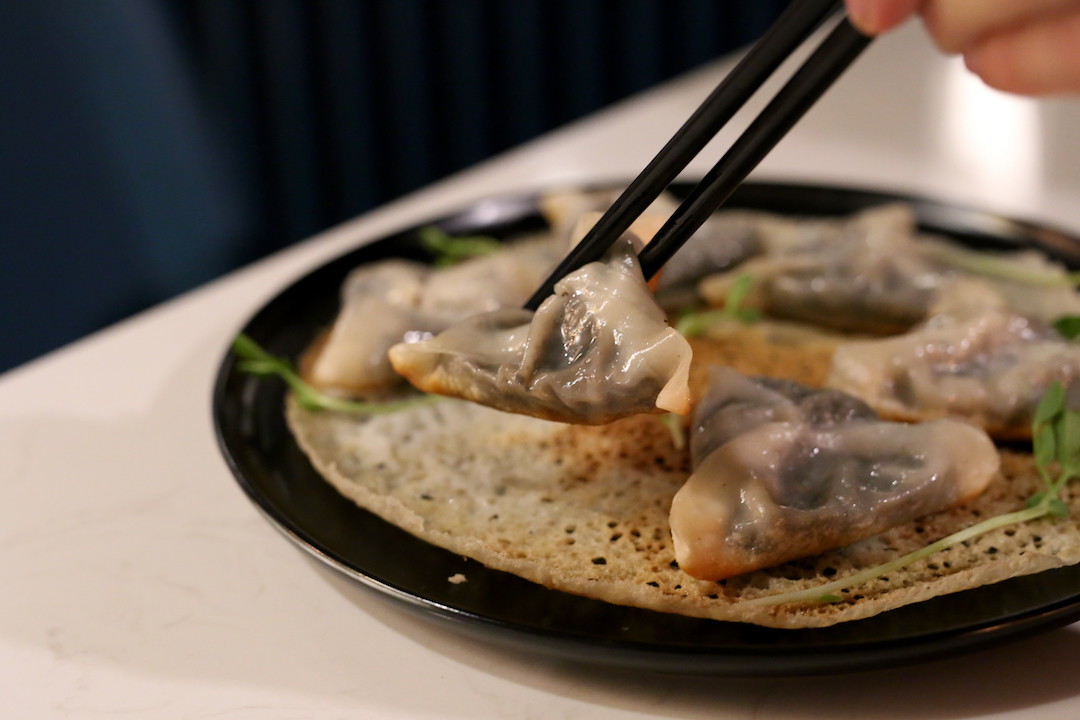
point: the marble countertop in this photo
(139, 581)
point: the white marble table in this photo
(138, 581)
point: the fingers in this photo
(1030, 47)
(874, 17)
(956, 25)
(1039, 58)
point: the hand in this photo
(1030, 47)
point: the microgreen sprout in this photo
(674, 426)
(1056, 447)
(253, 359)
(450, 250)
(1068, 326)
(1002, 267)
(697, 322)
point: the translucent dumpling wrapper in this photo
(722, 242)
(795, 472)
(639, 233)
(378, 308)
(988, 366)
(392, 301)
(865, 273)
(504, 279)
(734, 404)
(598, 349)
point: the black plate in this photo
(508, 610)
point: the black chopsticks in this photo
(815, 76)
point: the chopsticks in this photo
(804, 88)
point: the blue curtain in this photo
(149, 145)
(114, 192)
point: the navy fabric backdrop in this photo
(147, 146)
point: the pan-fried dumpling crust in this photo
(796, 472)
(547, 500)
(598, 349)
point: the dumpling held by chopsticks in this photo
(598, 349)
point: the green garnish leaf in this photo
(1044, 448)
(258, 367)
(829, 598)
(750, 315)
(740, 288)
(696, 322)
(1068, 440)
(1058, 508)
(1068, 326)
(449, 250)
(1003, 267)
(1050, 404)
(255, 360)
(674, 426)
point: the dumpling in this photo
(794, 472)
(862, 274)
(734, 404)
(724, 239)
(504, 279)
(873, 272)
(388, 302)
(722, 242)
(598, 349)
(565, 209)
(378, 307)
(989, 366)
(1025, 281)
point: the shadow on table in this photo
(1025, 674)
